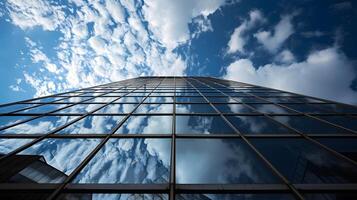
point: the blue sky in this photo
(305, 46)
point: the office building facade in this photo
(183, 138)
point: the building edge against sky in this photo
(178, 138)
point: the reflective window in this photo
(73, 99)
(40, 125)
(117, 108)
(331, 196)
(220, 99)
(308, 125)
(190, 100)
(345, 146)
(93, 125)
(155, 108)
(302, 161)
(148, 124)
(249, 100)
(102, 196)
(9, 120)
(47, 99)
(188, 124)
(80, 108)
(257, 125)
(233, 108)
(14, 107)
(194, 108)
(44, 108)
(7, 145)
(48, 161)
(270, 109)
(129, 100)
(139, 161)
(235, 196)
(344, 121)
(158, 100)
(220, 161)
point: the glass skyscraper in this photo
(185, 138)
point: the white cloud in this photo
(238, 40)
(285, 57)
(169, 20)
(326, 73)
(272, 40)
(102, 42)
(29, 14)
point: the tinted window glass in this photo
(202, 125)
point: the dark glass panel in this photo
(308, 125)
(234, 108)
(281, 196)
(270, 109)
(331, 196)
(345, 146)
(136, 161)
(40, 125)
(221, 100)
(102, 196)
(301, 161)
(188, 124)
(148, 124)
(257, 125)
(344, 121)
(249, 100)
(219, 161)
(93, 124)
(194, 108)
(48, 161)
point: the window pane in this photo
(257, 125)
(148, 124)
(302, 161)
(235, 196)
(220, 161)
(233, 108)
(345, 146)
(44, 108)
(188, 124)
(14, 107)
(270, 108)
(194, 108)
(7, 145)
(159, 100)
(40, 125)
(116, 162)
(129, 100)
(102, 196)
(8, 120)
(308, 125)
(93, 125)
(155, 108)
(117, 108)
(48, 161)
(80, 108)
(190, 100)
(347, 122)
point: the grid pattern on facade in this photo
(178, 138)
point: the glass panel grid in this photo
(178, 135)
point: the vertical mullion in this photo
(76, 171)
(172, 187)
(266, 161)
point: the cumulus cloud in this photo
(169, 19)
(101, 42)
(272, 40)
(238, 39)
(325, 73)
(285, 56)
